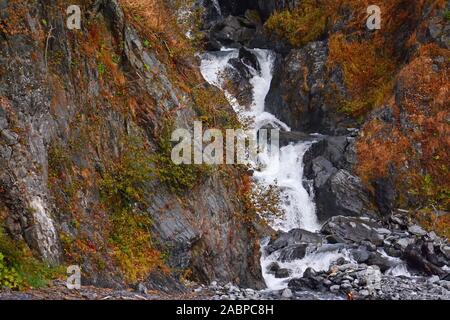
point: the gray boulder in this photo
(353, 229)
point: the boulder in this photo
(415, 259)
(353, 229)
(233, 31)
(293, 237)
(341, 194)
(282, 273)
(293, 252)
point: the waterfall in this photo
(284, 170)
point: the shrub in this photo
(305, 23)
(367, 70)
(122, 190)
(8, 275)
(178, 178)
(19, 269)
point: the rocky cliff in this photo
(85, 174)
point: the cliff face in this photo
(380, 96)
(85, 171)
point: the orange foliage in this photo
(418, 146)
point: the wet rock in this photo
(361, 255)
(293, 237)
(282, 273)
(297, 94)
(383, 262)
(294, 252)
(415, 259)
(273, 267)
(233, 31)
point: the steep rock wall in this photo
(80, 113)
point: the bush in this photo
(122, 190)
(19, 269)
(304, 24)
(8, 275)
(368, 73)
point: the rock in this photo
(297, 94)
(282, 273)
(370, 278)
(293, 252)
(335, 288)
(415, 259)
(342, 194)
(232, 32)
(446, 251)
(346, 287)
(383, 262)
(403, 243)
(293, 237)
(361, 255)
(142, 288)
(287, 293)
(364, 293)
(273, 267)
(417, 230)
(309, 273)
(354, 229)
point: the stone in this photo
(364, 293)
(417, 230)
(282, 273)
(403, 243)
(354, 229)
(293, 237)
(142, 288)
(287, 293)
(294, 252)
(335, 288)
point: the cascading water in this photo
(284, 170)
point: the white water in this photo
(284, 170)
